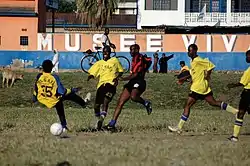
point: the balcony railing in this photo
(215, 17)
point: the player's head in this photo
(55, 51)
(134, 49)
(163, 55)
(106, 31)
(47, 66)
(182, 63)
(106, 52)
(248, 56)
(192, 50)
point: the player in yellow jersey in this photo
(108, 70)
(244, 101)
(50, 92)
(201, 70)
(183, 72)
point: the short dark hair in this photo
(107, 48)
(248, 52)
(194, 46)
(47, 66)
(135, 45)
(182, 62)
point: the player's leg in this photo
(77, 99)
(97, 107)
(136, 97)
(243, 107)
(124, 97)
(222, 105)
(184, 117)
(61, 114)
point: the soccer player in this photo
(108, 70)
(183, 72)
(135, 87)
(244, 101)
(201, 70)
(50, 92)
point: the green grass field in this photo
(143, 140)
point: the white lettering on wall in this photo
(209, 43)
(42, 41)
(191, 41)
(154, 42)
(229, 44)
(77, 46)
(126, 41)
(97, 41)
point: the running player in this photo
(50, 92)
(108, 70)
(244, 101)
(135, 87)
(201, 70)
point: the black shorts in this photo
(183, 74)
(105, 91)
(245, 100)
(198, 96)
(139, 84)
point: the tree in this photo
(66, 6)
(96, 12)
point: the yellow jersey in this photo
(106, 70)
(245, 79)
(184, 68)
(199, 68)
(49, 89)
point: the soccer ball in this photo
(56, 129)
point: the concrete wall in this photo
(71, 60)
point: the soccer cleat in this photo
(110, 128)
(233, 139)
(87, 97)
(100, 122)
(174, 129)
(148, 106)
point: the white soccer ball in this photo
(56, 129)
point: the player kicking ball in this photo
(50, 92)
(136, 85)
(108, 70)
(201, 70)
(244, 101)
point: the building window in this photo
(161, 4)
(24, 40)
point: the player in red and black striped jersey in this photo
(136, 85)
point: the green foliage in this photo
(96, 12)
(66, 6)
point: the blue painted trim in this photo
(17, 14)
(71, 60)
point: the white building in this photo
(186, 12)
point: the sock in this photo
(112, 123)
(182, 121)
(146, 103)
(97, 114)
(103, 113)
(237, 125)
(228, 108)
